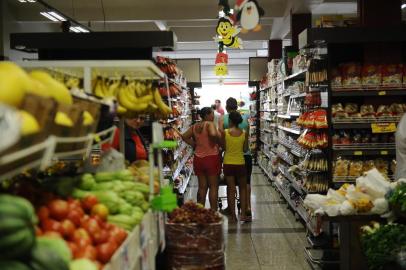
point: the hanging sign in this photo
(227, 33)
(221, 64)
(248, 15)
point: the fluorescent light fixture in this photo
(78, 29)
(22, 1)
(403, 6)
(74, 29)
(262, 53)
(81, 29)
(31, 1)
(46, 15)
(56, 15)
(222, 14)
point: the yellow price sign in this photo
(358, 153)
(383, 127)
(384, 152)
(381, 93)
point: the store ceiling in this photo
(192, 21)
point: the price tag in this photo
(358, 153)
(381, 93)
(383, 127)
(384, 152)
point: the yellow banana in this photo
(98, 91)
(165, 109)
(113, 88)
(138, 89)
(123, 97)
(121, 110)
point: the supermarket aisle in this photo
(273, 241)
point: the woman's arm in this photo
(221, 123)
(223, 140)
(187, 137)
(213, 132)
(246, 142)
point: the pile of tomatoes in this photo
(83, 225)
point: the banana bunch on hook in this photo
(133, 96)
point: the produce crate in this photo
(44, 110)
(94, 109)
(195, 246)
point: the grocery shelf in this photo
(267, 130)
(298, 75)
(365, 92)
(367, 151)
(283, 116)
(182, 164)
(285, 159)
(267, 174)
(290, 130)
(185, 183)
(284, 195)
(362, 122)
(298, 95)
(266, 143)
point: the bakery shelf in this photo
(366, 120)
(365, 150)
(364, 92)
(290, 130)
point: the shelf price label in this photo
(381, 93)
(384, 153)
(358, 153)
(383, 127)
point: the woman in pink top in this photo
(206, 163)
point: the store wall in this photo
(9, 24)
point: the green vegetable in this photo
(124, 175)
(142, 188)
(87, 182)
(82, 264)
(58, 245)
(79, 193)
(398, 197)
(45, 258)
(104, 176)
(125, 209)
(145, 206)
(108, 198)
(108, 186)
(13, 265)
(126, 222)
(134, 197)
(382, 244)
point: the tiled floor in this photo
(273, 241)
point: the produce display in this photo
(384, 245)
(191, 212)
(366, 197)
(398, 198)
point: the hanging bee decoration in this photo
(228, 33)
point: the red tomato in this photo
(88, 202)
(43, 213)
(100, 237)
(100, 210)
(75, 216)
(51, 225)
(80, 236)
(99, 265)
(91, 226)
(101, 222)
(118, 234)
(68, 228)
(88, 252)
(73, 248)
(105, 251)
(109, 226)
(58, 209)
(74, 204)
(52, 234)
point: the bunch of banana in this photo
(104, 88)
(72, 83)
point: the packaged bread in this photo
(338, 111)
(382, 166)
(368, 165)
(371, 75)
(355, 168)
(341, 167)
(383, 111)
(351, 75)
(367, 111)
(336, 78)
(391, 74)
(351, 108)
(396, 109)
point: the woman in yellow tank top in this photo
(235, 143)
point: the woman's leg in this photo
(243, 195)
(202, 190)
(231, 196)
(213, 191)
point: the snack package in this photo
(367, 111)
(351, 74)
(341, 167)
(336, 78)
(371, 75)
(355, 168)
(391, 75)
(320, 119)
(396, 109)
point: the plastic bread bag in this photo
(356, 193)
(347, 208)
(335, 195)
(373, 184)
(332, 208)
(381, 206)
(315, 202)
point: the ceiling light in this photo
(74, 29)
(81, 29)
(45, 14)
(21, 1)
(161, 25)
(31, 1)
(56, 15)
(403, 6)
